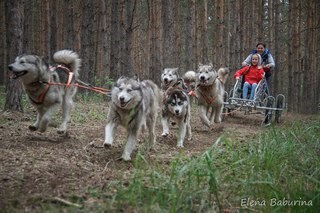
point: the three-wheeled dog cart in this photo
(272, 107)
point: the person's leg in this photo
(253, 88)
(246, 87)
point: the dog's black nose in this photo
(165, 79)
(10, 67)
(202, 78)
(121, 98)
(177, 111)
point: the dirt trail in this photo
(37, 166)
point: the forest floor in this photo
(41, 167)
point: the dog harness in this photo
(40, 98)
(66, 70)
(209, 99)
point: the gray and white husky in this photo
(134, 104)
(210, 92)
(169, 77)
(41, 85)
(177, 106)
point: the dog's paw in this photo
(126, 157)
(107, 145)
(61, 132)
(32, 128)
(165, 134)
(217, 120)
(180, 146)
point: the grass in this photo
(278, 172)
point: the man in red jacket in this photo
(252, 75)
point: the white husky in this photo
(210, 92)
(134, 104)
(41, 85)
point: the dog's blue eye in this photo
(129, 90)
(180, 103)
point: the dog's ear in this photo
(175, 70)
(136, 77)
(43, 65)
(120, 79)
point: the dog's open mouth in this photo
(204, 81)
(15, 75)
(167, 82)
(124, 103)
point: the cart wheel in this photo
(279, 105)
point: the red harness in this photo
(209, 99)
(40, 98)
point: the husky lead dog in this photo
(177, 106)
(134, 104)
(169, 77)
(210, 92)
(40, 83)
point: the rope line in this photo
(95, 89)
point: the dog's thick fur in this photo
(134, 104)
(38, 81)
(210, 92)
(177, 106)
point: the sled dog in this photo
(177, 106)
(169, 77)
(40, 83)
(210, 92)
(134, 104)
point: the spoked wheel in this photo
(280, 106)
(268, 102)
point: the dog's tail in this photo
(223, 74)
(70, 59)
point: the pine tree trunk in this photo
(14, 21)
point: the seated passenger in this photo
(253, 74)
(267, 60)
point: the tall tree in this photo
(115, 42)
(3, 48)
(153, 38)
(87, 44)
(14, 24)
(127, 23)
(204, 33)
(310, 84)
(167, 34)
(294, 63)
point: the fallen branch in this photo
(66, 202)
